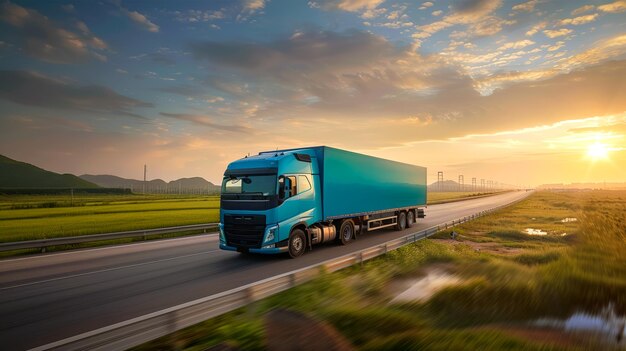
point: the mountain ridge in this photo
(158, 185)
(18, 174)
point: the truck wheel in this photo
(410, 219)
(401, 225)
(297, 243)
(346, 231)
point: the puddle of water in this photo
(423, 288)
(569, 219)
(606, 323)
(532, 231)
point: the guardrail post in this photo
(292, 280)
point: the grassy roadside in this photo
(444, 197)
(507, 280)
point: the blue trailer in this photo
(289, 200)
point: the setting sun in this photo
(598, 151)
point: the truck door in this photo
(289, 207)
(306, 194)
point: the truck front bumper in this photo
(268, 251)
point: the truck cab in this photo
(264, 197)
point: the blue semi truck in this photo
(289, 200)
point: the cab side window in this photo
(303, 184)
(294, 186)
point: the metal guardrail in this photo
(142, 329)
(43, 243)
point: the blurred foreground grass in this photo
(508, 279)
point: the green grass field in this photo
(29, 217)
(37, 217)
(508, 279)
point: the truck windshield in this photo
(264, 184)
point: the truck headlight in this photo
(271, 234)
(222, 236)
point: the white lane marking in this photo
(106, 270)
(158, 241)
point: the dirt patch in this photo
(488, 247)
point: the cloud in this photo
(550, 33)
(307, 51)
(437, 13)
(613, 7)
(40, 38)
(33, 89)
(373, 13)
(249, 8)
(516, 44)
(162, 56)
(304, 81)
(578, 20)
(527, 6)
(253, 5)
(194, 16)
(611, 48)
(582, 9)
(207, 121)
(465, 12)
(346, 5)
(138, 18)
(426, 5)
(536, 28)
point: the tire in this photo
(410, 219)
(401, 224)
(297, 243)
(346, 231)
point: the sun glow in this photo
(598, 151)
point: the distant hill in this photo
(183, 185)
(16, 174)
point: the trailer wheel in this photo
(346, 231)
(297, 243)
(401, 225)
(410, 219)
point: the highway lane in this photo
(53, 296)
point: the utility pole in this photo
(461, 181)
(145, 170)
(474, 184)
(440, 180)
(482, 185)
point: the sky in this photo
(517, 92)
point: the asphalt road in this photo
(49, 297)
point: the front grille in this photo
(244, 230)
